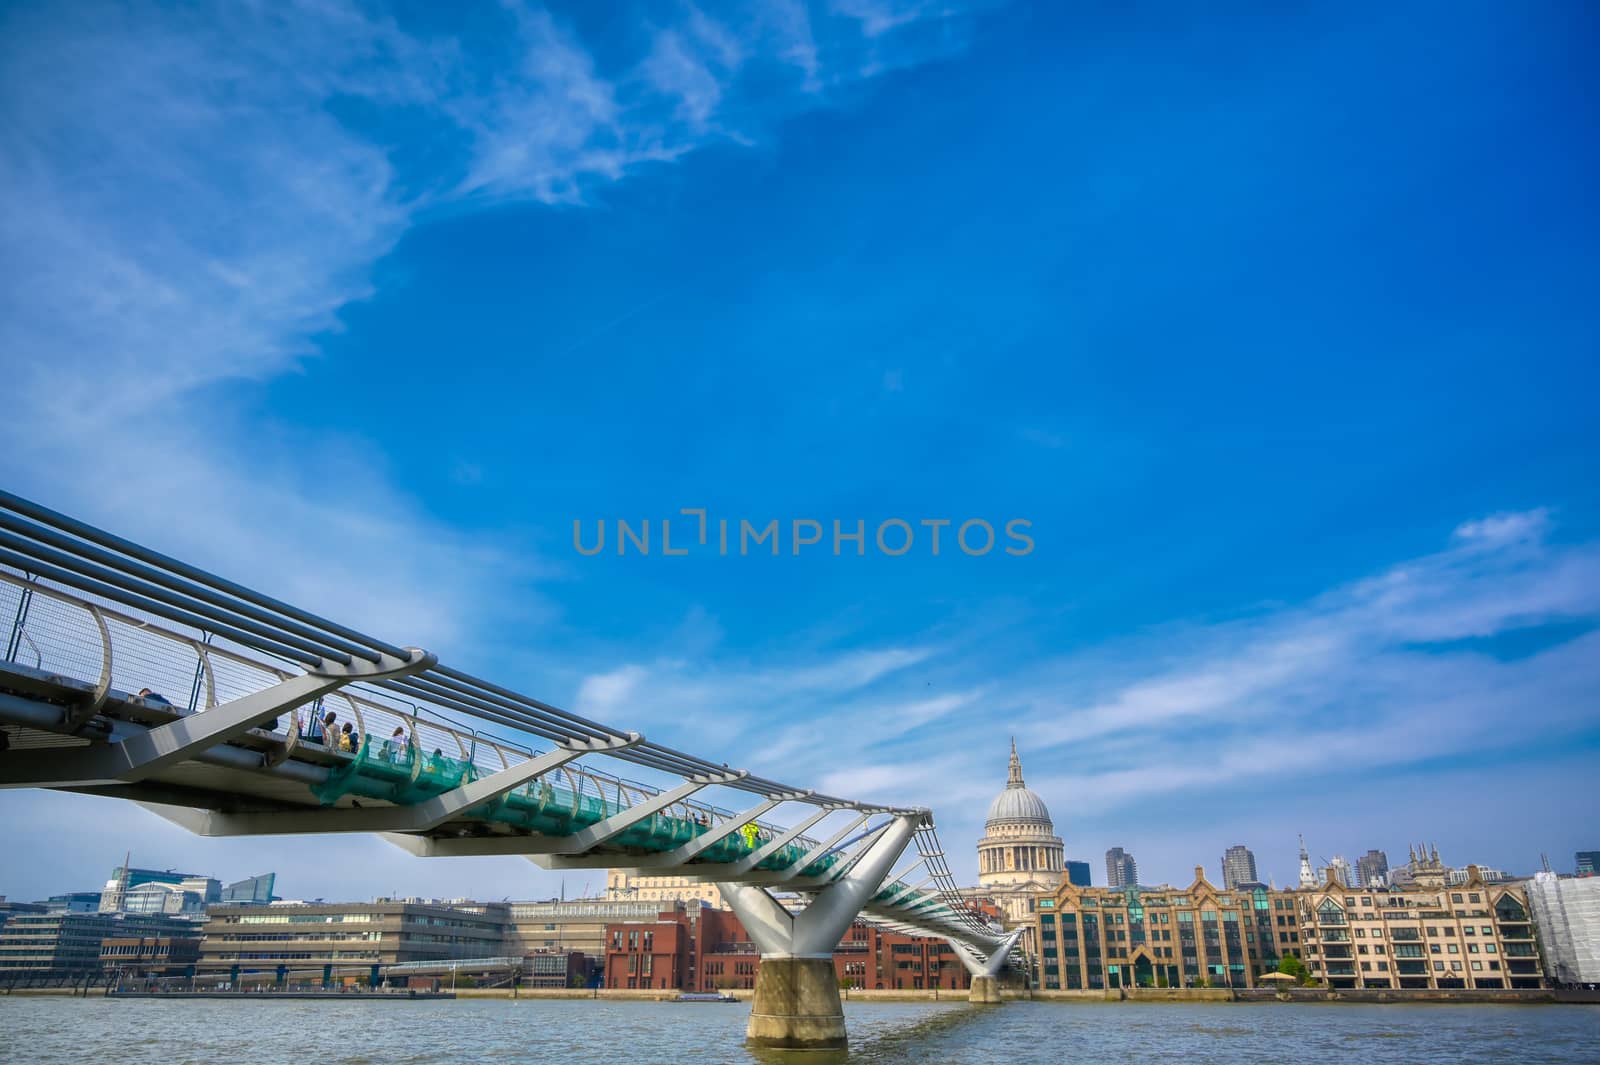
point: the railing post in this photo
(14, 643)
(199, 672)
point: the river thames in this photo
(97, 1030)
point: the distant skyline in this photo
(1277, 326)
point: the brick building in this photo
(702, 949)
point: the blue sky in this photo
(1278, 327)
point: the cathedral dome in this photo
(1018, 805)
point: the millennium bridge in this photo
(227, 739)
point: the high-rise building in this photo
(1121, 870)
(1340, 870)
(1588, 863)
(1372, 869)
(1238, 867)
(1079, 873)
(1308, 879)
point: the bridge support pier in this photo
(984, 970)
(985, 991)
(797, 1003)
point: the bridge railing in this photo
(58, 629)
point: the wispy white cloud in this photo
(1369, 677)
(190, 197)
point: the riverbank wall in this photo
(1145, 995)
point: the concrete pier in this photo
(797, 1005)
(985, 991)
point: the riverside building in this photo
(355, 937)
(1428, 935)
(1198, 936)
(62, 945)
(698, 948)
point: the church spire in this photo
(1014, 776)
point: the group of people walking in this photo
(327, 731)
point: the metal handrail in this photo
(588, 781)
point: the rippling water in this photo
(98, 1031)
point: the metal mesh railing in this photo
(193, 670)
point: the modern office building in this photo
(1588, 863)
(74, 902)
(189, 896)
(124, 879)
(350, 936)
(1427, 935)
(1566, 911)
(1080, 873)
(564, 925)
(141, 957)
(1372, 869)
(1238, 867)
(1455, 877)
(9, 909)
(1195, 936)
(61, 944)
(254, 890)
(1121, 870)
(1020, 855)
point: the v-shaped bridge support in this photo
(797, 991)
